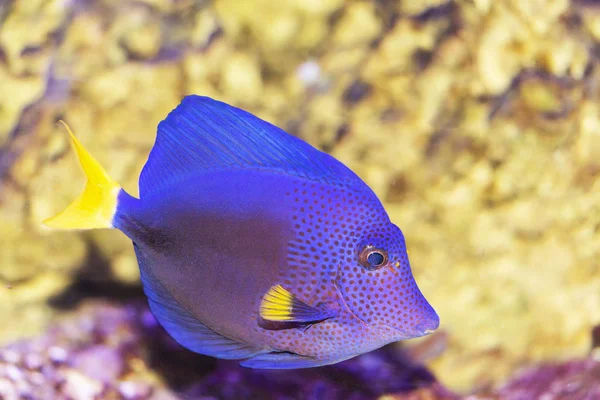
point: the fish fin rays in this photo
(183, 326)
(281, 361)
(279, 305)
(204, 134)
(97, 204)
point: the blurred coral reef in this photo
(107, 352)
(476, 121)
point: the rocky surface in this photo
(103, 351)
(477, 122)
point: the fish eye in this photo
(373, 258)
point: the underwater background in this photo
(477, 122)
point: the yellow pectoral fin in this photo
(96, 205)
(276, 304)
(279, 305)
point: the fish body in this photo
(253, 245)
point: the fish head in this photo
(379, 287)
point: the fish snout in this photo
(429, 323)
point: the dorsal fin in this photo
(204, 134)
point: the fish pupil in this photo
(372, 258)
(375, 258)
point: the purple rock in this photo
(121, 352)
(131, 390)
(57, 354)
(33, 361)
(13, 373)
(573, 380)
(8, 391)
(10, 356)
(101, 363)
(81, 387)
(36, 378)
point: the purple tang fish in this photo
(253, 245)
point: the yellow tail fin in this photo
(96, 205)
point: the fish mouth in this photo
(429, 324)
(425, 327)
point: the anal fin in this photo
(281, 361)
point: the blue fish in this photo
(253, 245)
